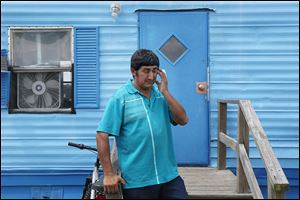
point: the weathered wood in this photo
(114, 157)
(116, 170)
(275, 173)
(248, 120)
(206, 182)
(251, 179)
(222, 126)
(228, 141)
(243, 138)
(270, 189)
(272, 194)
(280, 195)
(231, 101)
(221, 196)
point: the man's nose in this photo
(151, 76)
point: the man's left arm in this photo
(178, 112)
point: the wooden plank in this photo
(243, 136)
(116, 170)
(114, 158)
(222, 126)
(228, 141)
(253, 184)
(278, 179)
(230, 101)
(270, 189)
(207, 182)
(242, 184)
(219, 196)
(273, 194)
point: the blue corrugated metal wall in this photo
(253, 54)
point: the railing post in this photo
(222, 126)
(243, 138)
(274, 194)
(270, 189)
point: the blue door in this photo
(180, 40)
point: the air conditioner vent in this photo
(40, 90)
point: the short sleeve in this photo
(112, 117)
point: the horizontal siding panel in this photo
(115, 68)
(108, 90)
(118, 39)
(275, 124)
(29, 131)
(24, 147)
(254, 40)
(87, 19)
(264, 35)
(59, 158)
(254, 68)
(284, 156)
(52, 152)
(262, 96)
(280, 153)
(97, 13)
(62, 13)
(254, 13)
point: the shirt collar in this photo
(131, 89)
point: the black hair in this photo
(144, 57)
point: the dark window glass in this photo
(173, 49)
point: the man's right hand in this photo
(110, 183)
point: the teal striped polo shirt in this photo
(142, 128)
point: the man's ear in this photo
(133, 72)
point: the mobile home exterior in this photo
(239, 50)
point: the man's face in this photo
(145, 77)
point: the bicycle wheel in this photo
(86, 193)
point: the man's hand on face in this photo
(163, 85)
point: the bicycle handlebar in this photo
(82, 146)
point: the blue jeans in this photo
(174, 189)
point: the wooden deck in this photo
(210, 183)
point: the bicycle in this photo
(93, 187)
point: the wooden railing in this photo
(115, 165)
(249, 122)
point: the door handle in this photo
(201, 87)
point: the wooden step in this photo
(210, 183)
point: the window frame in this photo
(17, 69)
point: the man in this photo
(139, 115)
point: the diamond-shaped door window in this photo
(173, 49)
